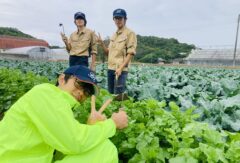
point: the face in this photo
(119, 21)
(79, 22)
(72, 87)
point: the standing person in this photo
(42, 121)
(81, 43)
(120, 51)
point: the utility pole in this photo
(235, 48)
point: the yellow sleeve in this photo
(54, 121)
(131, 43)
(70, 39)
(93, 43)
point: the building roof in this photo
(22, 50)
(9, 42)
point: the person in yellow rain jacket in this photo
(42, 121)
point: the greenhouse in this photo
(31, 52)
(215, 57)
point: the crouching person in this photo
(42, 121)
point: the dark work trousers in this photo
(78, 60)
(120, 84)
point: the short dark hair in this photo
(66, 78)
(88, 88)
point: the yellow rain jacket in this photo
(42, 121)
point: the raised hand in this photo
(64, 37)
(95, 115)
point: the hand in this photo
(118, 72)
(96, 116)
(64, 38)
(120, 119)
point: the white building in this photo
(30, 52)
(215, 57)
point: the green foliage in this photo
(150, 48)
(42, 68)
(163, 131)
(14, 84)
(215, 95)
(157, 135)
(233, 153)
(8, 31)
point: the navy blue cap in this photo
(79, 15)
(119, 13)
(84, 74)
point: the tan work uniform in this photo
(81, 42)
(123, 42)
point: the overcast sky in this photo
(203, 23)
